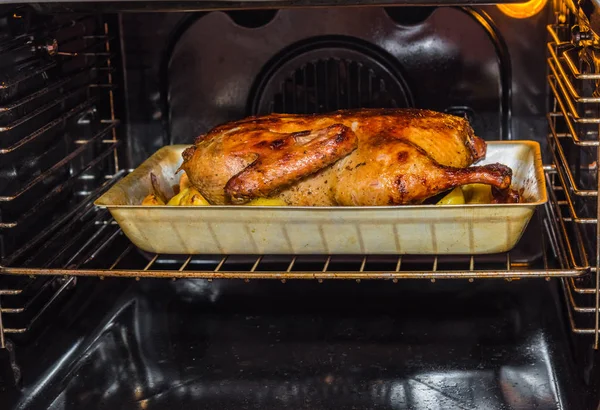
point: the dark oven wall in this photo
(190, 72)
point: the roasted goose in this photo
(354, 157)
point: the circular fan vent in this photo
(326, 74)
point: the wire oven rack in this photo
(573, 140)
(106, 252)
(90, 243)
(58, 131)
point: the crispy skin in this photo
(352, 157)
(290, 159)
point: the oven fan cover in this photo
(325, 74)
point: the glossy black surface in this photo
(216, 81)
(45, 106)
(180, 85)
(158, 344)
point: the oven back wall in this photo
(194, 71)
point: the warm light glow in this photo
(523, 10)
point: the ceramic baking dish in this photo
(409, 229)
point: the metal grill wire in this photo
(329, 73)
(58, 139)
(106, 252)
(332, 84)
(573, 139)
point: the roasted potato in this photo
(193, 198)
(152, 200)
(468, 194)
(455, 197)
(188, 197)
(267, 202)
(477, 193)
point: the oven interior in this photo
(88, 91)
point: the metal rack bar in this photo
(37, 133)
(575, 306)
(61, 187)
(10, 292)
(104, 244)
(326, 266)
(151, 262)
(111, 95)
(557, 248)
(597, 273)
(121, 256)
(12, 310)
(562, 235)
(64, 228)
(223, 259)
(185, 264)
(563, 69)
(583, 291)
(572, 323)
(25, 75)
(577, 74)
(31, 97)
(551, 29)
(544, 252)
(572, 133)
(75, 238)
(253, 269)
(32, 298)
(75, 153)
(64, 222)
(85, 52)
(363, 263)
(14, 42)
(21, 120)
(566, 189)
(561, 257)
(291, 265)
(565, 102)
(2, 331)
(23, 39)
(49, 88)
(563, 161)
(49, 303)
(554, 63)
(575, 70)
(493, 274)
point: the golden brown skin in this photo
(352, 157)
(286, 160)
